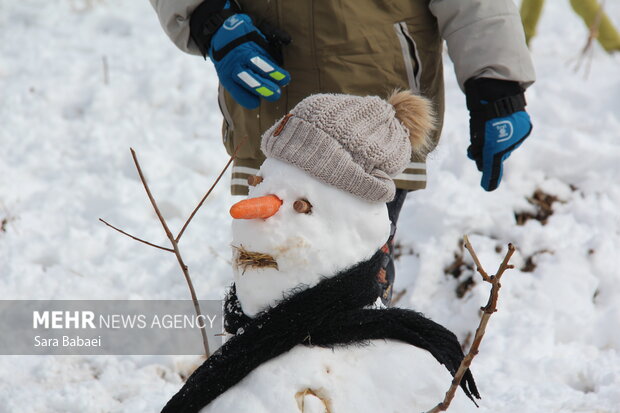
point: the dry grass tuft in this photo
(249, 259)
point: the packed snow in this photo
(84, 80)
(306, 247)
(353, 379)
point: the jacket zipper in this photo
(413, 65)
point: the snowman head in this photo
(320, 207)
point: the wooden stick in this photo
(136, 238)
(204, 198)
(586, 55)
(174, 241)
(175, 247)
(593, 30)
(479, 268)
(487, 311)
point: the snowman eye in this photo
(254, 180)
(302, 206)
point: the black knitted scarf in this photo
(331, 313)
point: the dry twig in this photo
(136, 238)
(174, 241)
(175, 247)
(586, 55)
(204, 198)
(487, 311)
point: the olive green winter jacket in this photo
(366, 47)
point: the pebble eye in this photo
(254, 180)
(302, 206)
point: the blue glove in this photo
(498, 125)
(246, 70)
(243, 54)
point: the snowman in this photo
(309, 332)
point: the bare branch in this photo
(488, 310)
(136, 238)
(491, 306)
(587, 53)
(204, 198)
(150, 195)
(172, 239)
(479, 268)
(175, 247)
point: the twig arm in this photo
(150, 195)
(474, 256)
(491, 306)
(487, 311)
(136, 238)
(204, 198)
(175, 247)
(172, 239)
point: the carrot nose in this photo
(253, 208)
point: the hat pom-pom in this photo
(417, 115)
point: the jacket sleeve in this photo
(485, 39)
(174, 17)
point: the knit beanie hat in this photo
(354, 143)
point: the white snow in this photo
(340, 231)
(553, 346)
(343, 380)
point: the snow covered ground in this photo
(66, 125)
